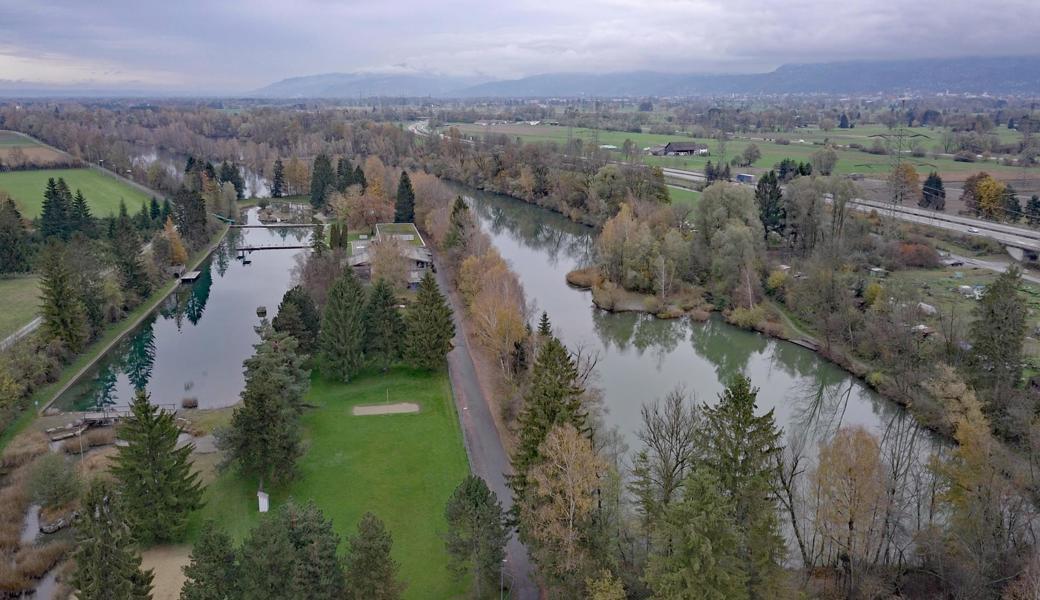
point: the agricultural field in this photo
(803, 143)
(684, 197)
(19, 303)
(16, 148)
(103, 192)
(402, 467)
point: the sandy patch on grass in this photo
(385, 409)
(166, 562)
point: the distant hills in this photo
(994, 75)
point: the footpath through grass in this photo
(103, 192)
(401, 467)
(19, 303)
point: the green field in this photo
(10, 139)
(684, 196)
(19, 303)
(103, 192)
(803, 143)
(402, 467)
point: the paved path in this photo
(24, 331)
(487, 456)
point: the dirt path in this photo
(166, 563)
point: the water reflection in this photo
(194, 344)
(641, 358)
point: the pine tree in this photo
(155, 212)
(429, 327)
(268, 560)
(229, 173)
(344, 174)
(553, 398)
(371, 572)
(384, 328)
(54, 215)
(80, 218)
(156, 478)
(1033, 210)
(107, 565)
(264, 437)
(126, 250)
(843, 122)
(933, 194)
(770, 200)
(189, 214)
(64, 316)
(167, 210)
(14, 240)
(304, 322)
(343, 328)
(709, 173)
(278, 179)
(1011, 205)
(697, 556)
(212, 571)
(997, 335)
(477, 533)
(740, 451)
(323, 180)
(359, 177)
(404, 208)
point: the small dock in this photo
(274, 247)
(190, 276)
(276, 225)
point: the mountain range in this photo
(994, 75)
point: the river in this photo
(642, 358)
(194, 344)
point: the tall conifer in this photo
(429, 327)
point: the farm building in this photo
(680, 149)
(413, 249)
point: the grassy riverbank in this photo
(103, 193)
(401, 467)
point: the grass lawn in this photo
(19, 303)
(103, 193)
(401, 467)
(684, 196)
(10, 139)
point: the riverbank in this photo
(40, 400)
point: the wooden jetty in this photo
(190, 276)
(273, 247)
(275, 225)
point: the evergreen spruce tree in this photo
(1033, 211)
(933, 194)
(342, 337)
(229, 173)
(1011, 205)
(461, 222)
(14, 240)
(429, 327)
(80, 218)
(167, 210)
(553, 398)
(477, 533)
(263, 439)
(843, 122)
(697, 555)
(278, 179)
(359, 177)
(142, 220)
(107, 564)
(344, 174)
(544, 326)
(189, 214)
(64, 316)
(304, 322)
(384, 327)
(997, 336)
(156, 479)
(268, 560)
(126, 250)
(371, 572)
(740, 451)
(323, 180)
(212, 571)
(404, 208)
(54, 215)
(770, 200)
(317, 571)
(155, 213)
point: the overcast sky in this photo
(239, 45)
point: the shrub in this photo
(918, 255)
(776, 283)
(34, 562)
(747, 318)
(872, 293)
(700, 314)
(23, 449)
(53, 481)
(104, 436)
(964, 156)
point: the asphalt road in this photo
(487, 456)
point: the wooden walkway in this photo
(273, 247)
(275, 225)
